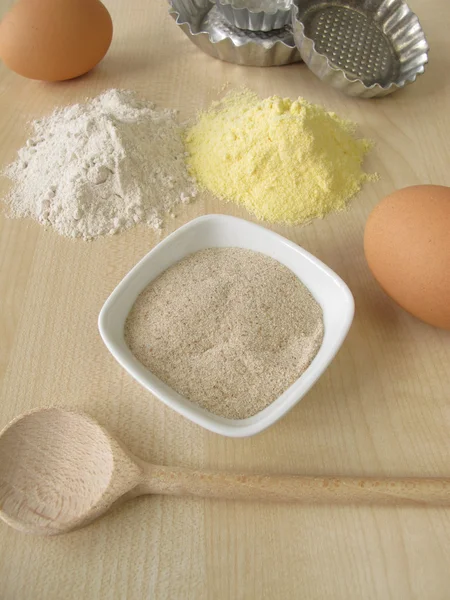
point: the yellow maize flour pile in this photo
(285, 161)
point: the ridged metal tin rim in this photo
(255, 19)
(337, 77)
(255, 11)
(267, 51)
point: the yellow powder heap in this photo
(285, 161)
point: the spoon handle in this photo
(294, 488)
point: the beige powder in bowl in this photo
(227, 328)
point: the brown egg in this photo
(407, 246)
(54, 40)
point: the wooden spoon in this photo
(60, 470)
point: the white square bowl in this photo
(219, 231)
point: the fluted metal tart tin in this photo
(364, 48)
(268, 16)
(210, 31)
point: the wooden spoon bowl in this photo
(59, 470)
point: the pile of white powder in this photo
(99, 168)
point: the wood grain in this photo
(60, 470)
(382, 408)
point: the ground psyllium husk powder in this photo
(229, 329)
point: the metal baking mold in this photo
(274, 14)
(209, 30)
(363, 48)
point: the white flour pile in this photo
(99, 168)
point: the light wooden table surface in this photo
(382, 408)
